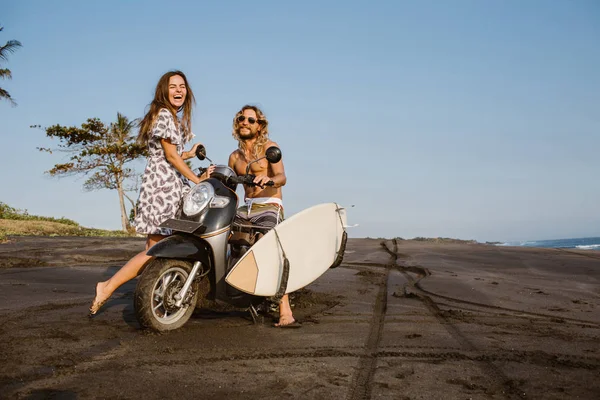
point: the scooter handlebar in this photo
(243, 179)
(248, 180)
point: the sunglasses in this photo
(242, 118)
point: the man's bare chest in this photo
(260, 167)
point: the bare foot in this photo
(100, 298)
(287, 320)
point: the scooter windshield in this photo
(222, 172)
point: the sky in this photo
(467, 119)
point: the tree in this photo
(100, 152)
(10, 47)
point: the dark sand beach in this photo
(397, 320)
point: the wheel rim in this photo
(163, 301)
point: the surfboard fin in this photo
(340, 208)
(340, 254)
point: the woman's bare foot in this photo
(100, 298)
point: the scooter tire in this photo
(147, 307)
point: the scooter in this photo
(192, 263)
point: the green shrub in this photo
(8, 212)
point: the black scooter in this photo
(204, 245)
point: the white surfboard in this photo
(310, 240)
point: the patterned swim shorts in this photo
(260, 215)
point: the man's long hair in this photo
(263, 133)
(161, 100)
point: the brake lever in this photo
(201, 171)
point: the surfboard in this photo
(310, 240)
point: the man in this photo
(264, 205)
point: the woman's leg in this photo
(127, 272)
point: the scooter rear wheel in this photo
(154, 300)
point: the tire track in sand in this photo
(363, 379)
(503, 382)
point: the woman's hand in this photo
(207, 173)
(192, 153)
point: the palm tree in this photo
(10, 47)
(121, 136)
(107, 156)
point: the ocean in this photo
(590, 243)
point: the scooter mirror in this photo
(201, 152)
(273, 154)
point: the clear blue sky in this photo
(468, 119)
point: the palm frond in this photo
(5, 95)
(10, 47)
(5, 73)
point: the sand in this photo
(397, 320)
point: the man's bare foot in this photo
(100, 298)
(287, 321)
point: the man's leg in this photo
(285, 312)
(268, 216)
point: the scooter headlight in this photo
(198, 199)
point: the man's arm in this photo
(233, 158)
(231, 162)
(278, 172)
(279, 179)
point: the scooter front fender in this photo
(183, 247)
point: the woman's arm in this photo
(179, 164)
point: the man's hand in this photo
(261, 180)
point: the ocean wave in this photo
(529, 244)
(590, 243)
(589, 247)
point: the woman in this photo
(163, 183)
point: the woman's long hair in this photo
(263, 133)
(161, 100)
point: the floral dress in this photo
(162, 185)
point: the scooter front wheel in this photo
(155, 301)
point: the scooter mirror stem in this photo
(201, 153)
(273, 155)
(248, 167)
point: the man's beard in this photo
(248, 135)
